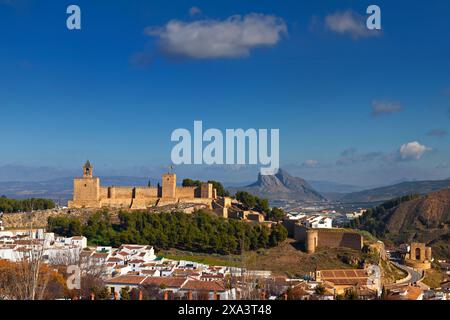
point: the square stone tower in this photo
(206, 190)
(86, 190)
(169, 184)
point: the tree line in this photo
(375, 219)
(198, 232)
(261, 205)
(8, 205)
(221, 191)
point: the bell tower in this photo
(88, 170)
(86, 189)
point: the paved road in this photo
(415, 275)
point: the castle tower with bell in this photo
(86, 189)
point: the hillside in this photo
(282, 186)
(394, 191)
(423, 219)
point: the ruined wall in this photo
(300, 233)
(290, 227)
(330, 238)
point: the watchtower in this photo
(86, 189)
(169, 184)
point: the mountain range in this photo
(281, 186)
(381, 194)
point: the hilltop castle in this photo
(88, 193)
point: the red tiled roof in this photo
(126, 279)
(168, 282)
(344, 276)
(136, 261)
(197, 285)
(114, 259)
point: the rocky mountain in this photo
(282, 186)
(394, 191)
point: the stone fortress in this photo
(88, 193)
(314, 238)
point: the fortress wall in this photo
(207, 202)
(290, 227)
(144, 203)
(103, 192)
(78, 204)
(185, 192)
(122, 192)
(146, 192)
(116, 203)
(333, 239)
(300, 233)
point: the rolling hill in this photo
(423, 218)
(394, 191)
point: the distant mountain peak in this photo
(283, 185)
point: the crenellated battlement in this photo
(88, 193)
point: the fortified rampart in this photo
(88, 193)
(330, 238)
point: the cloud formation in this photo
(310, 164)
(349, 23)
(194, 11)
(233, 37)
(385, 107)
(413, 151)
(437, 133)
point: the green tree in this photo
(276, 214)
(246, 199)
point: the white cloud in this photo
(349, 23)
(194, 11)
(310, 163)
(385, 107)
(413, 151)
(233, 37)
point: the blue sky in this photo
(345, 100)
